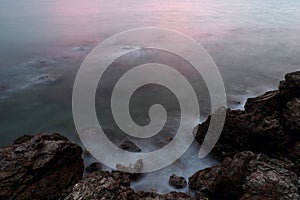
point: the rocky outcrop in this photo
(247, 176)
(269, 124)
(154, 196)
(115, 185)
(177, 181)
(102, 185)
(39, 167)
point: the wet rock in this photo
(39, 167)
(292, 116)
(268, 124)
(93, 167)
(102, 185)
(290, 87)
(177, 181)
(204, 179)
(129, 146)
(155, 196)
(248, 176)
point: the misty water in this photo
(42, 44)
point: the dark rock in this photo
(177, 181)
(268, 125)
(129, 146)
(93, 167)
(39, 167)
(292, 116)
(290, 87)
(248, 176)
(204, 179)
(102, 185)
(154, 196)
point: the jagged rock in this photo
(154, 196)
(115, 185)
(204, 179)
(266, 125)
(177, 181)
(248, 176)
(39, 167)
(129, 146)
(292, 116)
(290, 87)
(102, 185)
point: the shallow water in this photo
(254, 43)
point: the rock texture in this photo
(247, 176)
(39, 167)
(115, 186)
(177, 181)
(102, 185)
(269, 124)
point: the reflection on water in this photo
(44, 42)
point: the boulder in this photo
(269, 124)
(102, 185)
(39, 167)
(177, 181)
(247, 176)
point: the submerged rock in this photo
(129, 146)
(39, 167)
(177, 181)
(247, 176)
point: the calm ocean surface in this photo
(42, 44)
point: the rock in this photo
(204, 179)
(115, 185)
(268, 125)
(129, 146)
(292, 116)
(290, 87)
(93, 167)
(132, 168)
(177, 181)
(39, 167)
(154, 196)
(247, 176)
(102, 185)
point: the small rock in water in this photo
(129, 146)
(177, 181)
(95, 166)
(46, 78)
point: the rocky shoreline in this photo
(259, 148)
